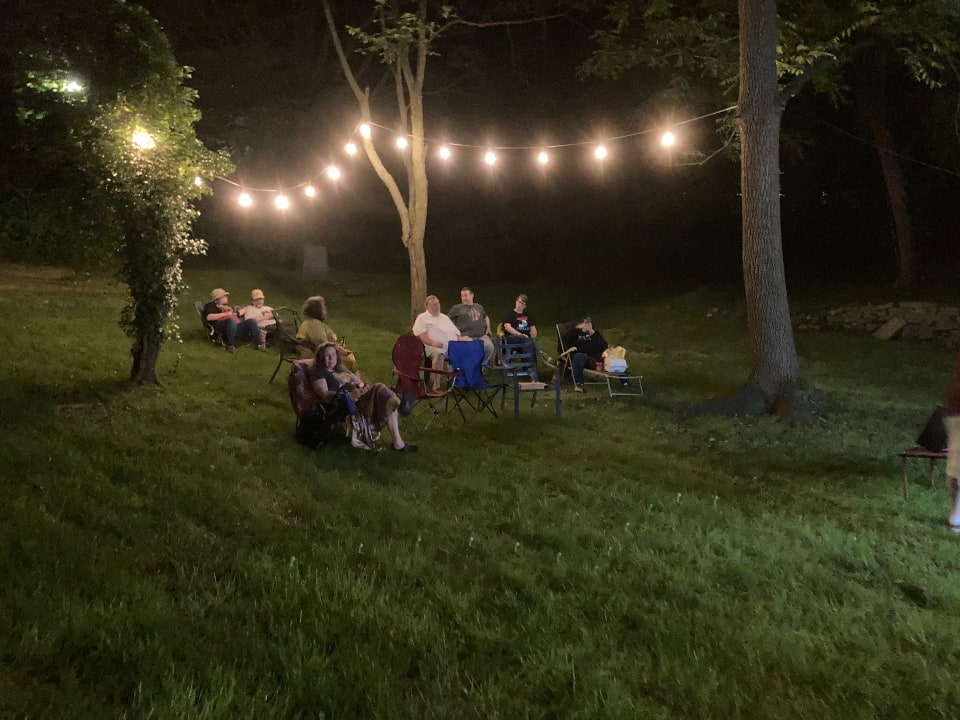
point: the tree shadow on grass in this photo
(35, 404)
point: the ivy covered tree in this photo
(99, 84)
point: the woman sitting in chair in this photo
(377, 403)
(314, 329)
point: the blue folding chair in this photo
(468, 386)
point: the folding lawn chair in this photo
(517, 361)
(318, 423)
(468, 386)
(618, 384)
(208, 328)
(408, 366)
(284, 336)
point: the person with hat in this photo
(263, 314)
(218, 313)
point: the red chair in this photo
(409, 367)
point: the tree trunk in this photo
(872, 106)
(144, 369)
(773, 381)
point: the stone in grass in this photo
(890, 329)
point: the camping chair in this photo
(468, 386)
(318, 423)
(518, 363)
(408, 366)
(618, 384)
(208, 328)
(285, 338)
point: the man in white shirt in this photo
(435, 330)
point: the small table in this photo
(923, 454)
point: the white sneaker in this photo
(578, 388)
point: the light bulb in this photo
(365, 130)
(600, 153)
(245, 200)
(281, 202)
(402, 143)
(668, 139)
(333, 172)
(309, 191)
(543, 158)
(350, 148)
(490, 158)
(444, 152)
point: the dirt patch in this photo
(55, 280)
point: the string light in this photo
(143, 140)
(73, 86)
(198, 181)
(444, 152)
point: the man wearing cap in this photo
(224, 320)
(263, 314)
(473, 322)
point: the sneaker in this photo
(231, 349)
(625, 383)
(546, 358)
(578, 388)
(262, 347)
(408, 448)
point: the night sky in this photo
(271, 92)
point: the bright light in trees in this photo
(73, 86)
(350, 148)
(543, 158)
(490, 158)
(402, 143)
(310, 191)
(198, 181)
(282, 202)
(668, 139)
(365, 130)
(245, 200)
(444, 152)
(600, 152)
(143, 140)
(333, 172)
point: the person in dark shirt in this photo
(589, 344)
(517, 322)
(221, 315)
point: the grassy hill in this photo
(171, 552)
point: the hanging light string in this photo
(333, 172)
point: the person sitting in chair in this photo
(518, 325)
(473, 322)
(589, 345)
(263, 314)
(377, 403)
(316, 332)
(435, 330)
(224, 320)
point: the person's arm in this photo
(486, 319)
(429, 341)
(227, 313)
(533, 330)
(322, 390)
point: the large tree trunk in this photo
(873, 109)
(773, 381)
(144, 368)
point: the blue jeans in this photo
(579, 362)
(230, 328)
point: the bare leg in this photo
(437, 364)
(952, 486)
(393, 425)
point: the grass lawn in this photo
(172, 553)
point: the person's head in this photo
(315, 307)
(466, 295)
(256, 297)
(521, 302)
(586, 323)
(328, 358)
(432, 304)
(220, 296)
